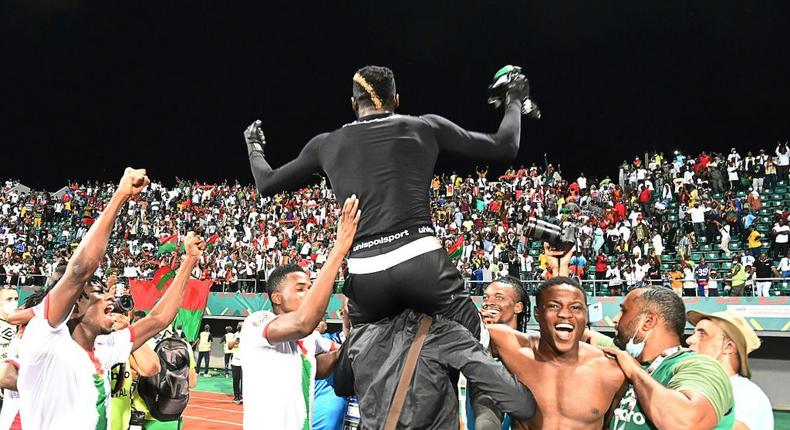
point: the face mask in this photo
(636, 349)
(9, 307)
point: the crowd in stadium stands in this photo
(706, 225)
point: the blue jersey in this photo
(328, 409)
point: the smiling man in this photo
(670, 386)
(505, 301)
(574, 383)
(282, 353)
(70, 346)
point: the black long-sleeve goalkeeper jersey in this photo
(388, 162)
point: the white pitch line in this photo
(213, 421)
(215, 409)
(209, 398)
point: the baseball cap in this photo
(738, 329)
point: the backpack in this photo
(167, 393)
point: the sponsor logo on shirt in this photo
(381, 240)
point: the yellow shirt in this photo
(754, 239)
(229, 337)
(204, 344)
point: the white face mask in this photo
(636, 349)
(9, 307)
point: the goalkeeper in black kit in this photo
(387, 160)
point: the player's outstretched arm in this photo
(89, 253)
(270, 181)
(300, 323)
(165, 311)
(500, 146)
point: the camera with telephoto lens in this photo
(554, 234)
(123, 304)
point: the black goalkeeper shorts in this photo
(408, 269)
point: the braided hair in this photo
(522, 296)
(374, 85)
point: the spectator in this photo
(676, 280)
(615, 280)
(228, 341)
(712, 288)
(727, 338)
(754, 243)
(204, 348)
(781, 234)
(765, 271)
(782, 160)
(697, 215)
(784, 266)
(738, 276)
(751, 280)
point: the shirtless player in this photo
(574, 383)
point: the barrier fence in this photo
(768, 315)
(594, 287)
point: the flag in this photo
(163, 276)
(168, 244)
(456, 249)
(191, 312)
(144, 293)
(211, 243)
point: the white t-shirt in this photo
(752, 406)
(732, 173)
(697, 215)
(60, 382)
(782, 232)
(278, 378)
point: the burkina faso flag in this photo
(146, 293)
(456, 249)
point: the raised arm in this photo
(300, 323)
(270, 181)
(486, 375)
(500, 146)
(89, 253)
(506, 343)
(165, 311)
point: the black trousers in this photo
(228, 355)
(236, 371)
(427, 284)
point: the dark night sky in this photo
(89, 88)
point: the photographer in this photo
(123, 378)
(58, 382)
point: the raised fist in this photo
(194, 245)
(254, 137)
(132, 182)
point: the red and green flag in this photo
(146, 294)
(163, 276)
(191, 312)
(211, 243)
(456, 249)
(168, 244)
